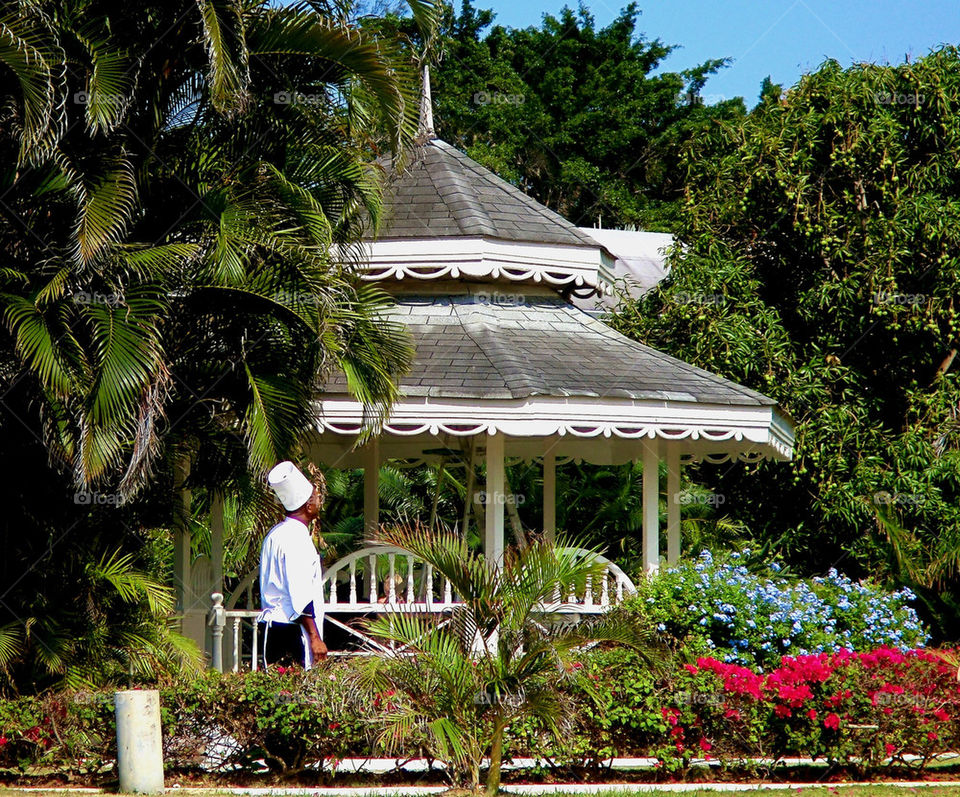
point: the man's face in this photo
(312, 507)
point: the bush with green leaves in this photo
(719, 607)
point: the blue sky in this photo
(782, 38)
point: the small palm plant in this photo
(459, 681)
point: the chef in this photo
(290, 570)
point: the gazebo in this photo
(507, 368)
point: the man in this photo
(290, 570)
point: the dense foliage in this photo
(581, 118)
(722, 609)
(174, 177)
(869, 712)
(818, 263)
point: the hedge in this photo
(865, 711)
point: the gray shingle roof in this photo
(444, 193)
(540, 346)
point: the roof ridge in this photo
(456, 189)
(494, 180)
(471, 320)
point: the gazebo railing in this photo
(381, 579)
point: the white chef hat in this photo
(291, 486)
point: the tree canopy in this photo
(817, 261)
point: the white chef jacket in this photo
(290, 573)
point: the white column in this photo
(181, 537)
(673, 504)
(371, 488)
(549, 497)
(139, 741)
(493, 526)
(217, 525)
(651, 496)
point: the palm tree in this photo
(175, 180)
(500, 657)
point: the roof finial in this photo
(426, 131)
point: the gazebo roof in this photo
(484, 346)
(447, 217)
(444, 193)
(532, 366)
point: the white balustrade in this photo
(409, 591)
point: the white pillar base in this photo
(139, 747)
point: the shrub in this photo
(720, 608)
(870, 711)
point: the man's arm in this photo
(318, 650)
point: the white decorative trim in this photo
(578, 267)
(749, 432)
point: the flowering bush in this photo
(859, 709)
(719, 608)
(868, 711)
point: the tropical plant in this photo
(459, 683)
(817, 263)
(182, 183)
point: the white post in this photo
(494, 505)
(549, 497)
(217, 527)
(217, 619)
(181, 537)
(371, 488)
(139, 749)
(673, 504)
(651, 509)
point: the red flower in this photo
(692, 668)
(3, 740)
(941, 715)
(732, 714)
(281, 670)
(705, 745)
(334, 725)
(932, 736)
(672, 719)
(890, 748)
(832, 721)
(812, 714)
(782, 711)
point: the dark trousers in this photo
(282, 644)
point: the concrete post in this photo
(139, 748)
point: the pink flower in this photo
(832, 721)
(3, 740)
(732, 714)
(932, 736)
(281, 670)
(693, 669)
(705, 745)
(812, 714)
